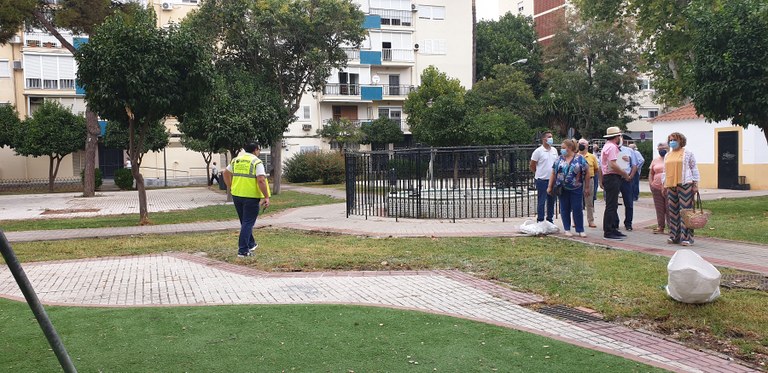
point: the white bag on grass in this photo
(538, 229)
(692, 279)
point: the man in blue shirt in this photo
(628, 162)
(639, 160)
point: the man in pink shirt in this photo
(611, 183)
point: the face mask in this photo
(582, 147)
(563, 152)
(550, 141)
(673, 144)
(663, 152)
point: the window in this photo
(653, 113)
(306, 111)
(432, 12)
(5, 69)
(433, 46)
(33, 43)
(67, 84)
(33, 83)
(50, 84)
(520, 7)
(644, 84)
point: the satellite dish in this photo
(375, 79)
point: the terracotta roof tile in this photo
(682, 113)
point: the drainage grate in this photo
(744, 281)
(567, 313)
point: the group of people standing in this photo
(572, 175)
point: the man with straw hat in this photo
(613, 174)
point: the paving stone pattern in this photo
(182, 279)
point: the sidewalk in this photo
(183, 279)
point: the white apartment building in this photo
(403, 38)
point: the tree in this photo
(507, 88)
(116, 137)
(137, 74)
(79, 16)
(436, 110)
(293, 44)
(343, 132)
(205, 149)
(381, 131)
(663, 36)
(506, 41)
(730, 70)
(591, 77)
(9, 124)
(52, 131)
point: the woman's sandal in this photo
(658, 230)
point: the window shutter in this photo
(50, 67)
(32, 67)
(66, 67)
(306, 112)
(438, 12)
(5, 69)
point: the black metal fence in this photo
(441, 183)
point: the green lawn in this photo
(621, 285)
(741, 219)
(291, 338)
(318, 184)
(285, 200)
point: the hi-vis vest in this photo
(244, 183)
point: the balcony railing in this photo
(336, 89)
(392, 17)
(359, 122)
(397, 55)
(398, 90)
(352, 54)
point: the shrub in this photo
(297, 169)
(124, 178)
(407, 168)
(329, 166)
(97, 175)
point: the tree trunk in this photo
(133, 147)
(51, 175)
(276, 152)
(91, 121)
(91, 147)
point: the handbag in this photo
(558, 191)
(695, 219)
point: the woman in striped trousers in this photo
(681, 181)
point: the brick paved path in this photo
(182, 279)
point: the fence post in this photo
(35, 305)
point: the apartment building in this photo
(404, 37)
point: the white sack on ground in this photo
(692, 279)
(538, 229)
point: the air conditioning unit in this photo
(16, 39)
(167, 6)
(17, 65)
(306, 127)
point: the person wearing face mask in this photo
(681, 181)
(655, 175)
(542, 160)
(613, 175)
(593, 172)
(571, 171)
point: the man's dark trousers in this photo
(611, 185)
(544, 199)
(247, 212)
(629, 203)
(636, 186)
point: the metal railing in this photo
(359, 122)
(397, 55)
(441, 183)
(398, 90)
(343, 89)
(392, 17)
(352, 54)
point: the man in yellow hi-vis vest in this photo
(247, 178)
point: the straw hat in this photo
(612, 132)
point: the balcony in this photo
(392, 17)
(359, 122)
(398, 90)
(336, 89)
(397, 55)
(352, 54)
